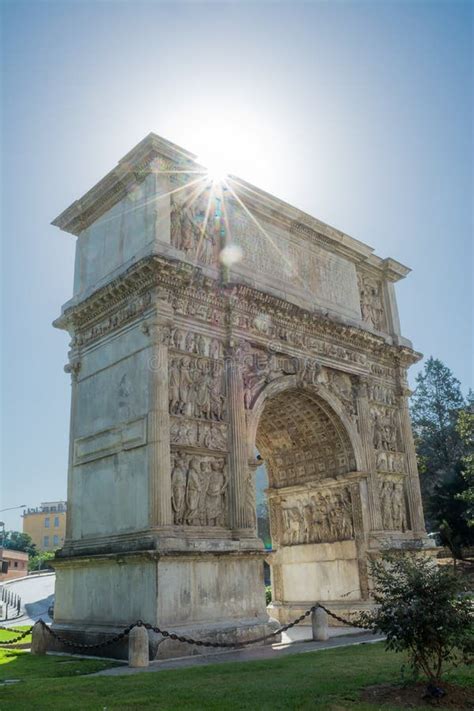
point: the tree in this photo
(435, 406)
(465, 427)
(441, 442)
(41, 561)
(17, 541)
(421, 611)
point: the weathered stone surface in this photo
(39, 639)
(182, 368)
(319, 623)
(138, 652)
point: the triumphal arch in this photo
(211, 323)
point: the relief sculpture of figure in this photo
(193, 492)
(371, 302)
(216, 396)
(176, 224)
(188, 231)
(386, 505)
(215, 493)
(398, 507)
(174, 387)
(178, 489)
(185, 384)
(202, 396)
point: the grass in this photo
(6, 635)
(330, 679)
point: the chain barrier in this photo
(15, 639)
(197, 642)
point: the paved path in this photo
(274, 651)
(37, 594)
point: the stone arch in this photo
(317, 494)
(323, 399)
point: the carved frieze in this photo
(323, 516)
(196, 387)
(384, 428)
(198, 490)
(194, 433)
(390, 461)
(193, 226)
(392, 504)
(371, 302)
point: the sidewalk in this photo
(338, 638)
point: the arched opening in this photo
(314, 500)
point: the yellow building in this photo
(46, 524)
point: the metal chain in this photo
(343, 620)
(81, 645)
(16, 639)
(197, 642)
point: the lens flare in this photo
(230, 254)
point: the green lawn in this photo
(6, 635)
(329, 679)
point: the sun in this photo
(215, 167)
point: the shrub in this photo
(268, 594)
(421, 611)
(41, 561)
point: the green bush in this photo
(268, 594)
(41, 561)
(421, 610)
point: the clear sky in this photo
(358, 113)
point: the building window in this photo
(46, 522)
(56, 540)
(45, 541)
(15, 564)
(56, 521)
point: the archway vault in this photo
(301, 439)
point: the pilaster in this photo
(239, 494)
(157, 328)
(413, 491)
(365, 429)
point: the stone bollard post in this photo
(138, 655)
(39, 639)
(319, 623)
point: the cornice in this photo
(129, 295)
(132, 169)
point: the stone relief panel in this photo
(197, 343)
(198, 490)
(196, 387)
(323, 516)
(301, 264)
(193, 226)
(371, 302)
(392, 504)
(385, 433)
(198, 434)
(381, 394)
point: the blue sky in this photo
(358, 113)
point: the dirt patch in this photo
(412, 696)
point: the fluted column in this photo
(239, 494)
(413, 491)
(365, 428)
(158, 435)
